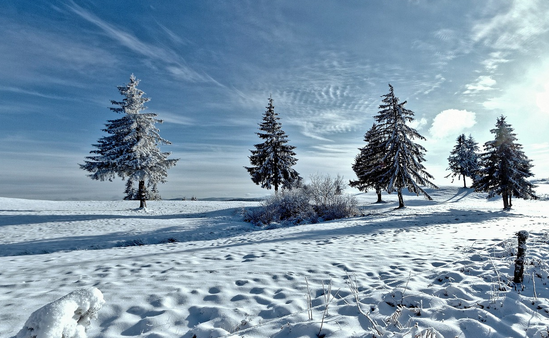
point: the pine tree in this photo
(131, 149)
(401, 165)
(505, 167)
(369, 165)
(463, 159)
(273, 159)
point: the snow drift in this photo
(67, 317)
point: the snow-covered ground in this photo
(194, 269)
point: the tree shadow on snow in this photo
(365, 226)
(7, 220)
(210, 226)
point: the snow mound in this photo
(67, 317)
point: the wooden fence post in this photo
(519, 263)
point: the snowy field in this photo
(441, 268)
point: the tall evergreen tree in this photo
(463, 159)
(273, 159)
(401, 165)
(131, 149)
(369, 164)
(505, 167)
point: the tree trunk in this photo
(379, 200)
(464, 185)
(142, 195)
(400, 199)
(505, 200)
(510, 202)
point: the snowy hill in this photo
(440, 268)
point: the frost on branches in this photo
(505, 167)
(273, 159)
(131, 149)
(463, 160)
(395, 160)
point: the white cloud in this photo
(418, 124)
(482, 83)
(451, 122)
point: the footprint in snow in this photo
(257, 291)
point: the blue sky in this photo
(210, 66)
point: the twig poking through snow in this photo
(353, 287)
(309, 301)
(328, 298)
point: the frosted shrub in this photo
(324, 190)
(289, 206)
(67, 317)
(293, 206)
(340, 207)
(259, 216)
(326, 195)
(322, 199)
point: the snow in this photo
(441, 268)
(67, 317)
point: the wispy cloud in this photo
(492, 63)
(516, 28)
(334, 149)
(443, 46)
(168, 117)
(37, 94)
(175, 64)
(324, 94)
(173, 36)
(426, 87)
(27, 51)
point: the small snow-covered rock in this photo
(67, 317)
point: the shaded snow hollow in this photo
(441, 268)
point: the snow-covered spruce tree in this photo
(273, 159)
(401, 166)
(463, 159)
(504, 167)
(131, 148)
(368, 163)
